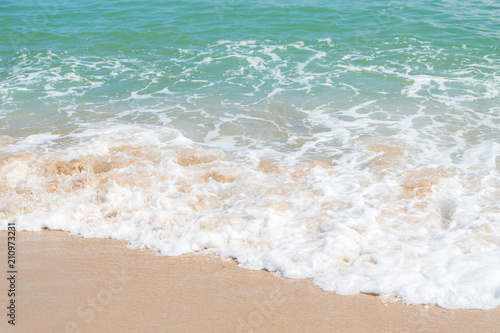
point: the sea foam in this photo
(373, 218)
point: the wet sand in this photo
(70, 284)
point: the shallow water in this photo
(354, 143)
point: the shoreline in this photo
(73, 284)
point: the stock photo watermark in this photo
(263, 312)
(33, 24)
(379, 21)
(11, 273)
(89, 309)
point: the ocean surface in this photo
(353, 142)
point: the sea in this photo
(356, 143)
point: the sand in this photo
(70, 284)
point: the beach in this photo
(71, 284)
(343, 158)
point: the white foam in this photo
(376, 219)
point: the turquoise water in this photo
(70, 62)
(354, 142)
